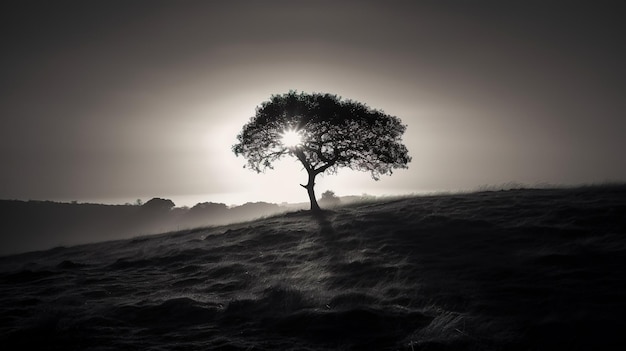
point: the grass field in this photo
(528, 269)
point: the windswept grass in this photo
(524, 269)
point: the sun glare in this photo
(291, 138)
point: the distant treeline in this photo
(37, 225)
(34, 225)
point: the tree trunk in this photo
(311, 191)
(311, 184)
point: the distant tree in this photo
(329, 198)
(324, 133)
(208, 209)
(158, 204)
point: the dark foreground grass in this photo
(510, 270)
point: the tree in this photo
(158, 204)
(329, 198)
(325, 133)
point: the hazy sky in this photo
(110, 101)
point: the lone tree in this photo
(324, 133)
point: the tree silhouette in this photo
(329, 198)
(324, 132)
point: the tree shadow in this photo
(323, 219)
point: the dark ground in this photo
(528, 269)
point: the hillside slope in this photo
(514, 270)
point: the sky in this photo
(113, 101)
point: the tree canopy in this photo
(325, 133)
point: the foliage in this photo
(334, 132)
(158, 204)
(329, 195)
(329, 198)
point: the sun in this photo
(291, 138)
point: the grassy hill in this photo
(496, 270)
